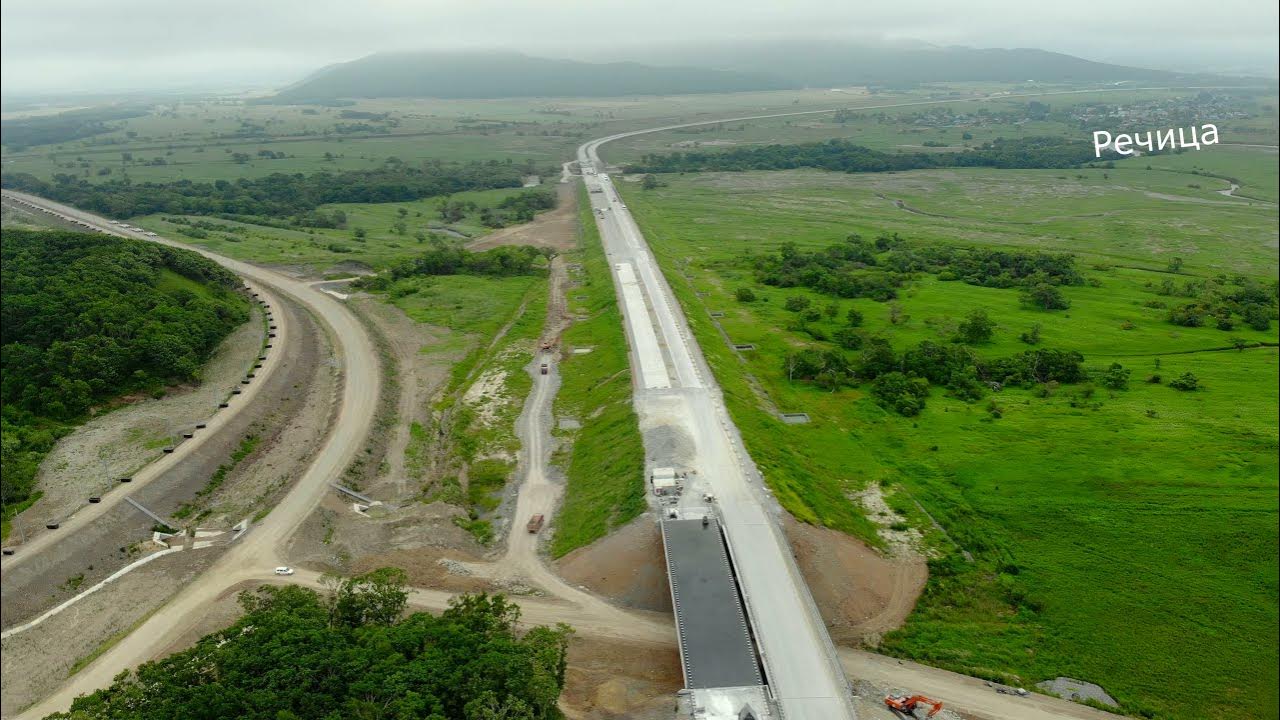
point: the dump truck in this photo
(535, 523)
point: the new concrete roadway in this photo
(674, 387)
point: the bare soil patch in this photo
(610, 680)
(556, 229)
(35, 662)
(626, 567)
(860, 593)
(419, 376)
(414, 537)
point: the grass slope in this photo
(605, 464)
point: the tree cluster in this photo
(297, 655)
(844, 156)
(857, 267)
(277, 195)
(900, 381)
(88, 317)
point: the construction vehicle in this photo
(535, 523)
(908, 705)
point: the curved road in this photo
(259, 549)
(183, 449)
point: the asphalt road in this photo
(259, 550)
(673, 382)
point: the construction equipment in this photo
(908, 705)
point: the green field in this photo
(1126, 537)
(380, 246)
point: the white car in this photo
(284, 570)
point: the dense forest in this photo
(86, 318)
(295, 654)
(276, 195)
(844, 156)
(21, 133)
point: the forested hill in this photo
(85, 318)
(844, 156)
(507, 74)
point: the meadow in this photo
(1126, 537)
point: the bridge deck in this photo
(715, 646)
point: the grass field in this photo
(1123, 537)
(605, 463)
(381, 245)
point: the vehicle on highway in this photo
(284, 570)
(535, 523)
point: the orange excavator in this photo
(908, 705)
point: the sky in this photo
(68, 46)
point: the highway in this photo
(259, 549)
(673, 385)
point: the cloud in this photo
(69, 45)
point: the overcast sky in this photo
(107, 45)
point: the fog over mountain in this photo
(87, 45)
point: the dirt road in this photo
(41, 540)
(970, 696)
(261, 547)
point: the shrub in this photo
(1185, 382)
(796, 303)
(903, 394)
(744, 295)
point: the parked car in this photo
(284, 570)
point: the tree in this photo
(853, 317)
(797, 303)
(375, 598)
(900, 393)
(831, 310)
(1115, 377)
(976, 329)
(848, 338)
(877, 358)
(1031, 336)
(1185, 382)
(1258, 317)
(745, 295)
(1175, 265)
(1045, 296)
(650, 183)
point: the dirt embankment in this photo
(860, 593)
(37, 661)
(626, 566)
(556, 229)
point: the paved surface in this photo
(715, 645)
(800, 663)
(260, 548)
